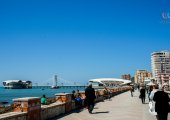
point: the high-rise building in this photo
(126, 77)
(142, 75)
(160, 62)
(133, 79)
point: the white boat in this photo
(54, 87)
(100, 83)
(17, 84)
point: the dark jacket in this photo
(90, 94)
(142, 92)
(161, 101)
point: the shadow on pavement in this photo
(100, 112)
(135, 96)
(68, 113)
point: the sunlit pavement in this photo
(120, 107)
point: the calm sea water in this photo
(8, 94)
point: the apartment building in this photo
(126, 77)
(160, 62)
(142, 75)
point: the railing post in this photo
(65, 98)
(31, 105)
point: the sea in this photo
(7, 95)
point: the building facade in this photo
(160, 62)
(142, 75)
(126, 77)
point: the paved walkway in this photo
(120, 107)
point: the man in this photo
(162, 100)
(43, 100)
(90, 97)
(142, 94)
(132, 90)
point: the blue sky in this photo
(80, 39)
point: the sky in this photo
(78, 40)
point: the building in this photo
(160, 62)
(126, 77)
(142, 75)
(100, 83)
(17, 84)
(133, 79)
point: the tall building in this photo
(142, 75)
(160, 62)
(133, 79)
(126, 77)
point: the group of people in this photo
(159, 100)
(89, 99)
(158, 97)
(77, 97)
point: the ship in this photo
(17, 84)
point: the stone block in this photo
(63, 97)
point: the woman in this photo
(152, 110)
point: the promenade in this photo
(120, 107)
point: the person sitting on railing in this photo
(44, 100)
(73, 95)
(106, 93)
(78, 99)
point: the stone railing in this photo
(5, 109)
(30, 108)
(52, 110)
(14, 116)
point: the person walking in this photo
(149, 92)
(142, 94)
(162, 100)
(152, 109)
(90, 97)
(138, 87)
(132, 90)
